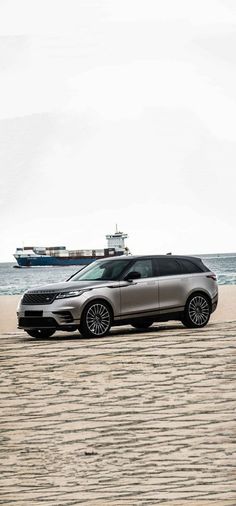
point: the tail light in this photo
(212, 276)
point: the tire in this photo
(96, 319)
(197, 311)
(141, 324)
(40, 332)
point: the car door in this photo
(171, 288)
(139, 297)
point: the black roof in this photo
(136, 257)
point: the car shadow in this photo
(115, 331)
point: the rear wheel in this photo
(40, 332)
(197, 311)
(141, 324)
(96, 319)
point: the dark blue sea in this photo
(16, 281)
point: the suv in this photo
(136, 290)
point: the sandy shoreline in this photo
(226, 310)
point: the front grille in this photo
(37, 323)
(39, 298)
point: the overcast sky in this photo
(118, 111)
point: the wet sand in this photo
(130, 419)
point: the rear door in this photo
(171, 286)
(140, 296)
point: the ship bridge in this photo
(116, 240)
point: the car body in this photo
(136, 290)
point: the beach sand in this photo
(135, 418)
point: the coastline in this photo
(226, 309)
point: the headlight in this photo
(65, 295)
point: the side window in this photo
(188, 267)
(168, 267)
(143, 266)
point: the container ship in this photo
(30, 256)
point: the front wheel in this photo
(197, 311)
(96, 320)
(40, 332)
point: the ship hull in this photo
(43, 261)
(41, 256)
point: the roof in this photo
(137, 257)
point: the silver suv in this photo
(136, 290)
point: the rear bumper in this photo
(214, 303)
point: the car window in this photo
(188, 267)
(144, 267)
(107, 270)
(167, 267)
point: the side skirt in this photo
(157, 318)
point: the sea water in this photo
(16, 281)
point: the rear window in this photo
(203, 267)
(188, 267)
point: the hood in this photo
(67, 286)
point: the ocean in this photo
(16, 281)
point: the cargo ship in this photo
(31, 256)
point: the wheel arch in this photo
(199, 291)
(97, 299)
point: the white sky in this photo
(118, 111)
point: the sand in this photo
(135, 418)
(226, 310)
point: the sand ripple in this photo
(130, 419)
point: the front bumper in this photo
(54, 316)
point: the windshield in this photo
(102, 271)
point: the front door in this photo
(139, 298)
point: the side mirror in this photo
(132, 275)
